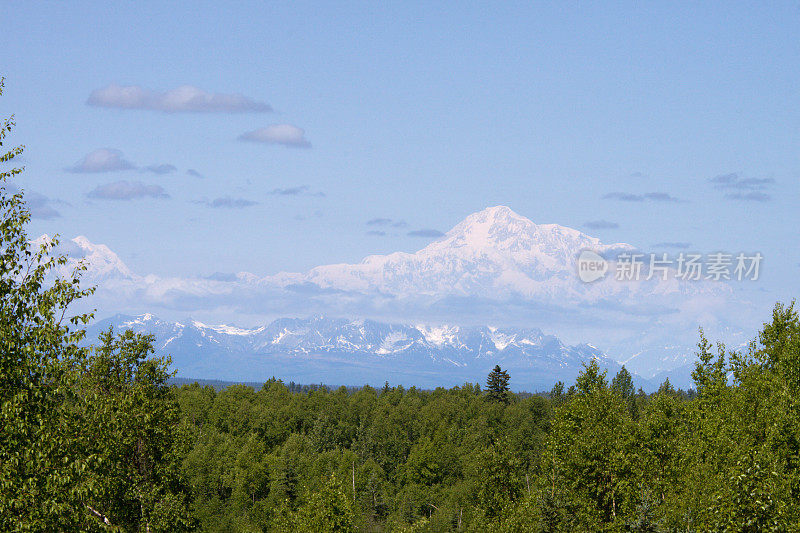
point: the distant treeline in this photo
(595, 456)
(220, 385)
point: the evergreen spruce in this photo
(497, 386)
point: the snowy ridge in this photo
(494, 252)
(495, 263)
(442, 353)
(101, 263)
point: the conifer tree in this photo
(623, 383)
(497, 386)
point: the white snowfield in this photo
(514, 269)
(351, 349)
(494, 253)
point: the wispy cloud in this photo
(600, 224)
(625, 197)
(126, 190)
(649, 196)
(160, 169)
(299, 190)
(752, 196)
(193, 173)
(750, 189)
(387, 222)
(660, 197)
(39, 205)
(675, 245)
(227, 202)
(183, 99)
(735, 181)
(102, 160)
(426, 232)
(284, 134)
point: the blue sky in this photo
(570, 113)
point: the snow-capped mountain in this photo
(495, 266)
(363, 351)
(493, 253)
(102, 264)
(496, 254)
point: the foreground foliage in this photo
(90, 439)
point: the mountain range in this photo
(339, 351)
(494, 267)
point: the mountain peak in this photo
(341, 350)
(500, 228)
(103, 262)
(499, 214)
(491, 253)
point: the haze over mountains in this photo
(340, 351)
(495, 267)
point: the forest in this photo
(597, 456)
(99, 439)
(143, 455)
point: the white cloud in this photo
(185, 98)
(628, 197)
(426, 232)
(126, 190)
(735, 181)
(385, 222)
(600, 224)
(164, 168)
(752, 196)
(298, 190)
(284, 134)
(226, 202)
(40, 206)
(102, 160)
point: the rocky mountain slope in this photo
(339, 351)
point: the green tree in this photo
(131, 422)
(751, 500)
(591, 379)
(503, 478)
(587, 463)
(40, 467)
(623, 384)
(497, 386)
(666, 388)
(328, 510)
